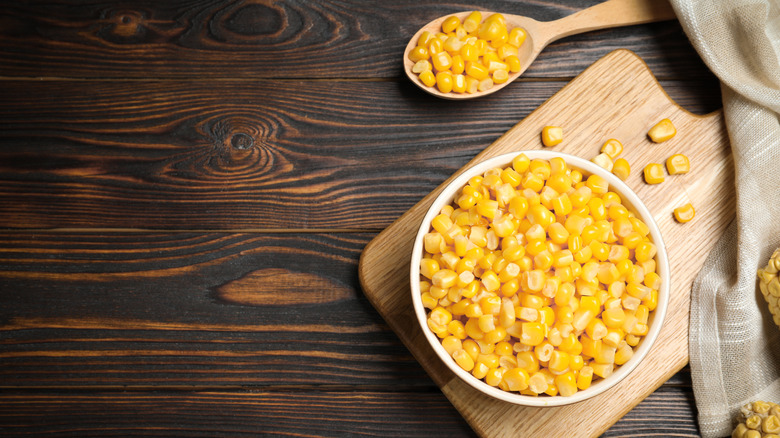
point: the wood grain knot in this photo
(280, 287)
(242, 141)
(127, 23)
(239, 145)
(254, 19)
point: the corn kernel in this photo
(604, 161)
(677, 164)
(584, 378)
(662, 131)
(621, 168)
(654, 173)
(552, 135)
(612, 148)
(463, 359)
(684, 213)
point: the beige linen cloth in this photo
(734, 346)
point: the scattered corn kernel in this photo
(654, 173)
(684, 213)
(536, 283)
(677, 163)
(662, 131)
(552, 135)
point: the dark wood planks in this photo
(187, 39)
(244, 155)
(192, 309)
(306, 412)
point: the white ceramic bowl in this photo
(630, 200)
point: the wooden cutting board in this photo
(617, 97)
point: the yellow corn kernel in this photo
(552, 135)
(576, 362)
(471, 348)
(451, 344)
(516, 36)
(476, 70)
(421, 66)
(506, 51)
(654, 173)
(537, 383)
(429, 267)
(485, 84)
(544, 351)
(500, 76)
(597, 184)
(418, 53)
(463, 359)
(488, 58)
(678, 163)
(566, 384)
(450, 24)
(623, 354)
(472, 85)
(490, 29)
(621, 168)
(644, 251)
(513, 62)
(685, 213)
(558, 362)
(613, 338)
(444, 278)
(425, 38)
(496, 65)
(532, 333)
(428, 301)
(444, 81)
(612, 148)
(662, 131)
(516, 379)
(480, 370)
(442, 61)
(603, 370)
(490, 305)
(580, 196)
(472, 21)
(457, 328)
(533, 181)
(452, 45)
(469, 53)
(435, 46)
(584, 378)
(604, 161)
(428, 78)
(458, 67)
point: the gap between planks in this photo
(195, 230)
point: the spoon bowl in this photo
(611, 13)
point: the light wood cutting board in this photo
(617, 97)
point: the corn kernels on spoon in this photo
(538, 34)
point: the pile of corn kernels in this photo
(538, 279)
(468, 56)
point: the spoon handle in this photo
(611, 13)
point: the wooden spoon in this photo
(611, 13)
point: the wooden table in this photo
(185, 191)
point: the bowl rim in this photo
(657, 316)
